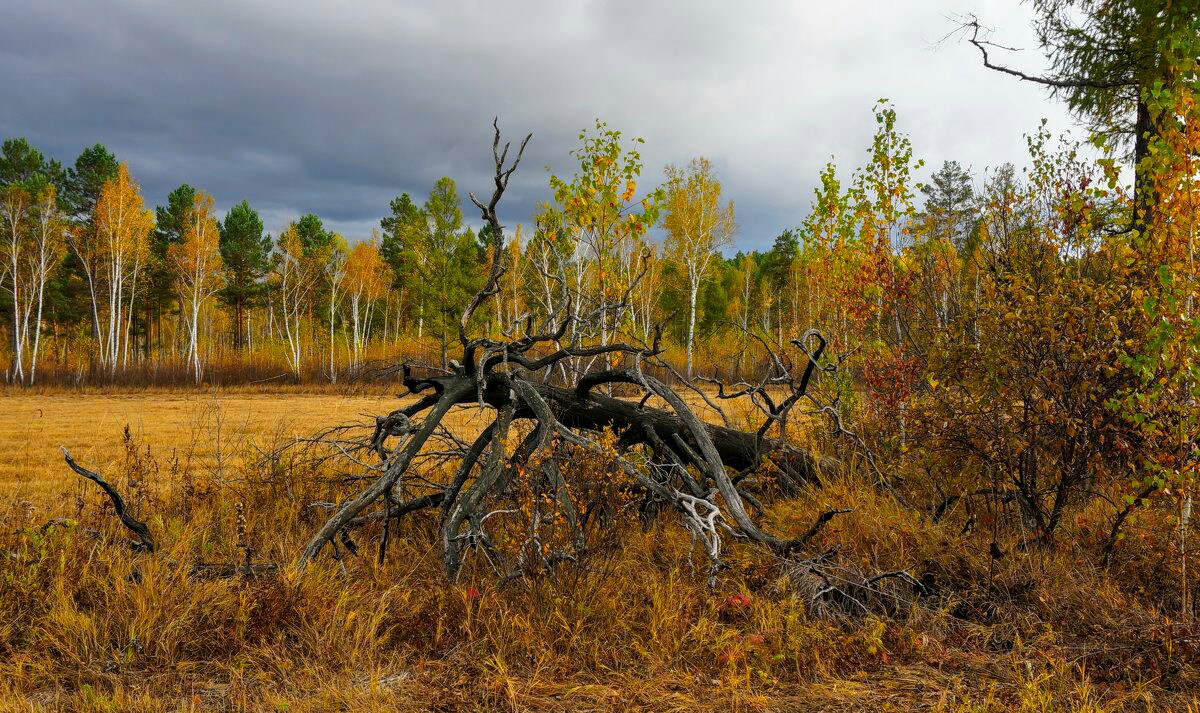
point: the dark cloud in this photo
(336, 107)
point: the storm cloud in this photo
(336, 107)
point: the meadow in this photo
(203, 430)
(88, 624)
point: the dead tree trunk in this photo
(668, 456)
(581, 408)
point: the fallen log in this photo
(585, 409)
(529, 493)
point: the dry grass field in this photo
(86, 624)
(210, 431)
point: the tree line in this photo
(97, 284)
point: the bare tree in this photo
(292, 278)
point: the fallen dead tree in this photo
(583, 408)
(667, 456)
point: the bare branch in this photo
(145, 541)
(973, 25)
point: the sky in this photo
(337, 107)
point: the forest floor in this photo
(85, 624)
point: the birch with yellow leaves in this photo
(197, 264)
(698, 226)
(122, 240)
(366, 278)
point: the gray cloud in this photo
(336, 107)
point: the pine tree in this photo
(949, 204)
(170, 227)
(246, 255)
(94, 166)
(1106, 58)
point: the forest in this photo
(935, 448)
(100, 289)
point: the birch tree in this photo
(14, 210)
(197, 265)
(366, 282)
(122, 227)
(335, 274)
(47, 245)
(605, 224)
(292, 277)
(697, 227)
(84, 182)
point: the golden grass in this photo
(85, 624)
(209, 432)
(205, 427)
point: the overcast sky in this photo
(336, 107)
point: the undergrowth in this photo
(88, 624)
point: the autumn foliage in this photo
(1006, 395)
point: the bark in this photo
(694, 287)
